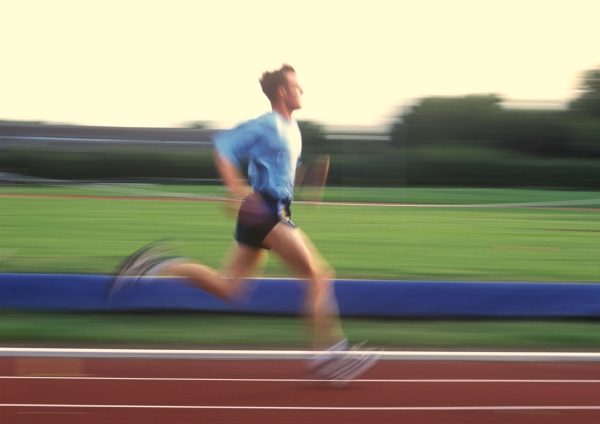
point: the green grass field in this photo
(245, 331)
(557, 241)
(91, 235)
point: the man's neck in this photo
(283, 111)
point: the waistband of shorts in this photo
(284, 201)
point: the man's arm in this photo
(300, 174)
(232, 177)
(311, 179)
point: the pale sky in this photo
(166, 63)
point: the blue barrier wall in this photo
(274, 296)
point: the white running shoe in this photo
(143, 262)
(340, 368)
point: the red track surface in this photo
(70, 390)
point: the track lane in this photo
(161, 390)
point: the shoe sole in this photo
(119, 279)
(363, 365)
(340, 373)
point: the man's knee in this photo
(318, 271)
(327, 273)
(322, 279)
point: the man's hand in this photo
(232, 177)
(311, 179)
(236, 184)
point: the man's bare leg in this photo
(227, 288)
(296, 250)
(235, 267)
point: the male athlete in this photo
(270, 145)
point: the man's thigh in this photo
(295, 248)
(242, 260)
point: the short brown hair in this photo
(270, 81)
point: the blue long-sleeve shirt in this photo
(271, 146)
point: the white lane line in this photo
(293, 354)
(317, 408)
(296, 380)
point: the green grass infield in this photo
(445, 234)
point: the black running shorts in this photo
(258, 215)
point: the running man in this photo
(270, 145)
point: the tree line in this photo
(570, 132)
(466, 141)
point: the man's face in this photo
(293, 92)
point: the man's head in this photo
(282, 86)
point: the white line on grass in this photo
(133, 191)
(558, 203)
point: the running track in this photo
(117, 388)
